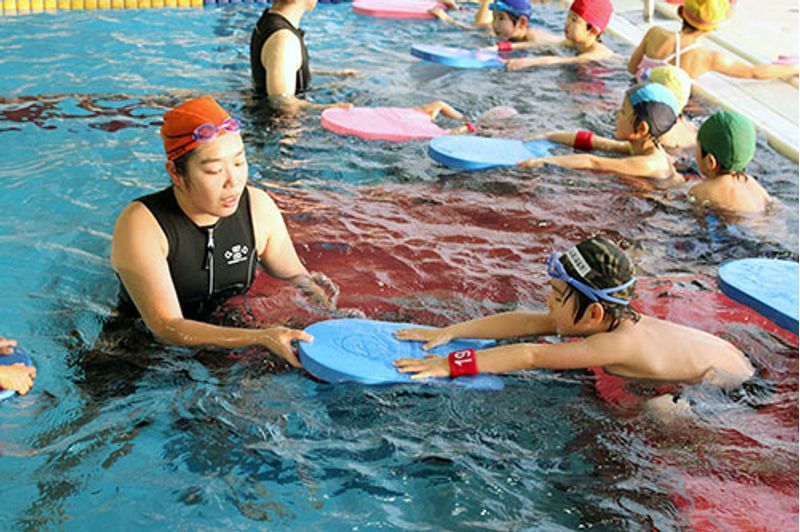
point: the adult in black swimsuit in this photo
(181, 251)
(279, 59)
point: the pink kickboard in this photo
(396, 8)
(395, 124)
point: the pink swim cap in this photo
(594, 12)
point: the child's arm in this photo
(505, 325)
(638, 54)
(529, 45)
(483, 17)
(725, 64)
(597, 142)
(632, 166)
(586, 353)
(444, 17)
(599, 54)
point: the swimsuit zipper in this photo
(210, 260)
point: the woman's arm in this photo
(139, 256)
(282, 58)
(276, 250)
(505, 325)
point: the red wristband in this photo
(463, 362)
(472, 128)
(583, 140)
(504, 46)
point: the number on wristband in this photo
(463, 362)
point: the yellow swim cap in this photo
(705, 15)
(676, 80)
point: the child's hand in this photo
(450, 4)
(6, 346)
(341, 105)
(17, 377)
(533, 163)
(433, 337)
(430, 366)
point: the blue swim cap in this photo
(519, 8)
(656, 105)
(653, 92)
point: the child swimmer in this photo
(592, 287)
(509, 21)
(726, 143)
(648, 112)
(586, 21)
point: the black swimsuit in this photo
(268, 24)
(207, 264)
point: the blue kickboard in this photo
(467, 152)
(362, 351)
(457, 57)
(18, 356)
(768, 286)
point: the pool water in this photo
(161, 437)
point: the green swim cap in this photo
(730, 137)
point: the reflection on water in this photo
(211, 439)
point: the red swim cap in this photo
(180, 124)
(594, 12)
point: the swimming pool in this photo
(166, 438)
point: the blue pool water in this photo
(161, 437)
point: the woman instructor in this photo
(182, 251)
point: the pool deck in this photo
(758, 32)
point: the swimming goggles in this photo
(204, 133)
(557, 271)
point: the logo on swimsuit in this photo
(236, 254)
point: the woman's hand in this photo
(433, 337)
(430, 366)
(349, 72)
(17, 377)
(6, 346)
(279, 341)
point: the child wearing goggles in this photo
(592, 286)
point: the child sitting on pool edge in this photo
(508, 19)
(648, 112)
(17, 377)
(683, 48)
(586, 21)
(592, 287)
(726, 143)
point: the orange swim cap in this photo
(180, 125)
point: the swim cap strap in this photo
(504, 46)
(463, 362)
(583, 140)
